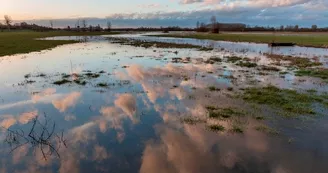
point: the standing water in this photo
(100, 106)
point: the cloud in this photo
(83, 133)
(8, 121)
(69, 163)
(254, 3)
(190, 1)
(68, 101)
(46, 96)
(100, 153)
(128, 104)
(154, 5)
(19, 154)
(27, 117)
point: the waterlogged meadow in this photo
(131, 103)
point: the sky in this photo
(185, 13)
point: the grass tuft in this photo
(62, 82)
(216, 128)
(288, 100)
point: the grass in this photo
(16, 42)
(237, 129)
(192, 120)
(266, 129)
(92, 75)
(288, 100)
(213, 88)
(246, 64)
(213, 60)
(319, 73)
(79, 82)
(269, 68)
(216, 128)
(314, 40)
(157, 44)
(62, 82)
(294, 61)
(223, 113)
(260, 118)
(104, 85)
(233, 59)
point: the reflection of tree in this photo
(41, 136)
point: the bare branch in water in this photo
(41, 136)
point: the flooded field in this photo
(130, 103)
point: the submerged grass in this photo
(246, 64)
(213, 88)
(192, 120)
(267, 129)
(102, 84)
(157, 44)
(288, 100)
(319, 73)
(62, 82)
(294, 61)
(224, 112)
(237, 129)
(233, 59)
(213, 60)
(313, 40)
(26, 41)
(216, 127)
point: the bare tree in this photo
(213, 19)
(314, 27)
(109, 26)
(197, 24)
(8, 21)
(51, 23)
(215, 28)
(84, 24)
(77, 25)
(296, 27)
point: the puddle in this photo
(140, 112)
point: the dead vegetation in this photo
(42, 136)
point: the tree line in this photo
(213, 26)
(80, 25)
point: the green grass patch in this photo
(213, 60)
(246, 64)
(191, 120)
(26, 41)
(260, 118)
(92, 75)
(288, 100)
(213, 88)
(319, 73)
(80, 82)
(158, 44)
(62, 82)
(310, 40)
(266, 129)
(224, 112)
(216, 128)
(237, 129)
(270, 68)
(233, 59)
(294, 61)
(102, 84)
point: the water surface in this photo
(134, 124)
